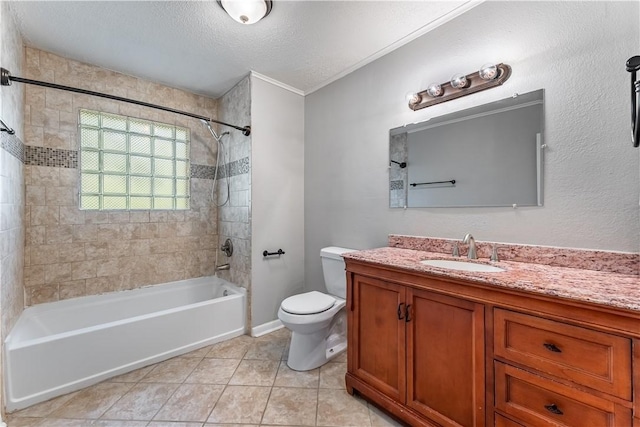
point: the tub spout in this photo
(226, 266)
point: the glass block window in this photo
(130, 164)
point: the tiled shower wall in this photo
(11, 184)
(11, 177)
(69, 252)
(235, 216)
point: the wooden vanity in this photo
(440, 348)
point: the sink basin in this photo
(462, 265)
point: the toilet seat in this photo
(308, 303)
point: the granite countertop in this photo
(597, 287)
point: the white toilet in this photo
(318, 321)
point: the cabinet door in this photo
(445, 359)
(377, 335)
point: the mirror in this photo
(490, 155)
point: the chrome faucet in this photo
(226, 266)
(468, 239)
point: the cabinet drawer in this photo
(538, 401)
(594, 359)
(505, 422)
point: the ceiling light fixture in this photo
(488, 76)
(246, 11)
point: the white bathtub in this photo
(63, 346)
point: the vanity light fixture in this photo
(246, 11)
(489, 75)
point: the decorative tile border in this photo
(238, 167)
(12, 145)
(396, 185)
(52, 157)
(202, 171)
(614, 262)
(58, 158)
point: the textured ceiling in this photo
(197, 47)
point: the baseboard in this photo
(266, 328)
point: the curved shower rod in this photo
(6, 78)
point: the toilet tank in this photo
(333, 266)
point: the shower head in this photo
(213, 132)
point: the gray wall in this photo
(277, 198)
(575, 51)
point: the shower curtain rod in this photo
(6, 78)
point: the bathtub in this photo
(63, 346)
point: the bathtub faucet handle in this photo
(227, 248)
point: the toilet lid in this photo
(308, 303)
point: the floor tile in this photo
(92, 402)
(332, 375)
(265, 350)
(45, 408)
(142, 402)
(199, 353)
(287, 377)
(255, 372)
(341, 358)
(133, 376)
(291, 406)
(117, 423)
(175, 370)
(232, 349)
(213, 371)
(229, 425)
(172, 424)
(190, 402)
(238, 404)
(380, 419)
(338, 408)
(62, 422)
(24, 422)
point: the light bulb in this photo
(488, 72)
(435, 90)
(413, 98)
(459, 81)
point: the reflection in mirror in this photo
(490, 155)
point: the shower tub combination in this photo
(60, 347)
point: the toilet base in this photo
(310, 351)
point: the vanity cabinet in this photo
(418, 348)
(435, 351)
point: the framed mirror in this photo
(490, 155)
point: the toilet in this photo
(318, 321)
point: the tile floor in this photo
(241, 382)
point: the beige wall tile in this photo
(59, 234)
(42, 294)
(35, 195)
(85, 233)
(71, 215)
(84, 270)
(70, 252)
(44, 215)
(61, 196)
(96, 250)
(57, 139)
(43, 254)
(73, 289)
(55, 273)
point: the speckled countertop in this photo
(598, 287)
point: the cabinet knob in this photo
(400, 314)
(552, 347)
(553, 408)
(407, 317)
